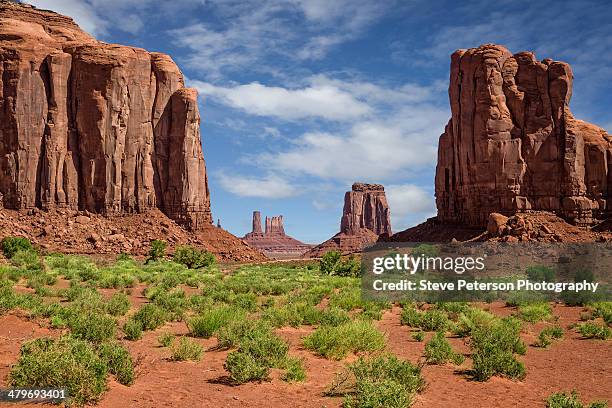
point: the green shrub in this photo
(193, 258)
(572, 400)
(233, 333)
(157, 251)
(337, 342)
(547, 335)
(61, 363)
(603, 310)
(433, 320)
(294, 370)
(535, 312)
(12, 245)
(119, 362)
(334, 316)
(382, 381)
(541, 273)
(132, 329)
(118, 304)
(244, 367)
(150, 317)
(186, 349)
(438, 351)
(494, 348)
(92, 326)
(410, 317)
(418, 336)
(591, 330)
(470, 319)
(332, 264)
(208, 322)
(166, 339)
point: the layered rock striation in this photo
(512, 143)
(86, 125)
(274, 242)
(365, 219)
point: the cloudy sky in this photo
(300, 98)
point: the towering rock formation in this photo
(365, 206)
(512, 143)
(365, 218)
(93, 126)
(273, 241)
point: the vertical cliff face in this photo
(512, 143)
(365, 207)
(94, 126)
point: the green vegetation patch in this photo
(352, 337)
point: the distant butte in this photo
(273, 241)
(365, 219)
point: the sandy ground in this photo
(572, 363)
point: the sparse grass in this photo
(547, 335)
(439, 351)
(380, 381)
(295, 370)
(418, 336)
(166, 339)
(208, 322)
(337, 342)
(571, 400)
(535, 312)
(186, 349)
(592, 330)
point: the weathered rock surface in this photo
(513, 145)
(97, 127)
(274, 242)
(365, 219)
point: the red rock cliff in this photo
(365, 206)
(512, 143)
(95, 126)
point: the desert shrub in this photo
(166, 339)
(233, 333)
(256, 354)
(244, 367)
(173, 302)
(571, 400)
(535, 312)
(439, 351)
(209, 321)
(132, 329)
(592, 330)
(541, 273)
(337, 342)
(547, 335)
(333, 317)
(157, 251)
(470, 319)
(92, 326)
(186, 349)
(381, 381)
(294, 370)
(418, 336)
(193, 258)
(150, 316)
(332, 264)
(61, 363)
(119, 362)
(12, 245)
(433, 320)
(603, 310)
(118, 304)
(410, 316)
(246, 301)
(494, 348)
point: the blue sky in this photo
(300, 98)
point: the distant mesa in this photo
(273, 241)
(366, 218)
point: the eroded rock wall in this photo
(93, 126)
(512, 143)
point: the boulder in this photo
(497, 224)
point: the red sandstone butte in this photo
(365, 219)
(86, 125)
(512, 143)
(274, 242)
